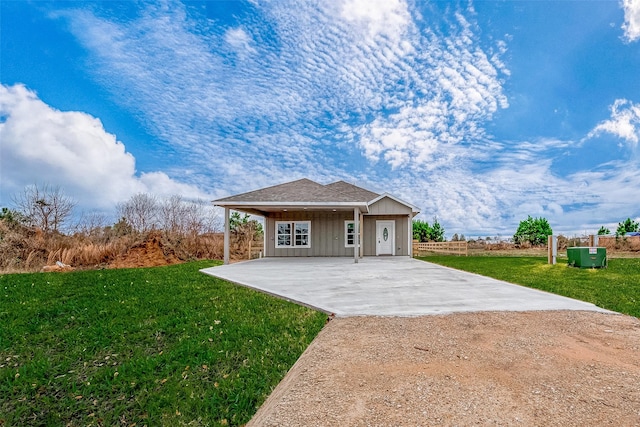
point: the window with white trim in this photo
(293, 234)
(349, 234)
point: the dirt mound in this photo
(150, 253)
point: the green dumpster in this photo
(587, 257)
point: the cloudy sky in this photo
(480, 113)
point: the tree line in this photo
(624, 227)
(49, 209)
(534, 231)
(41, 228)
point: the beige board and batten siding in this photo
(327, 234)
(401, 236)
(387, 209)
(327, 230)
(388, 206)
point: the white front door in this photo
(385, 237)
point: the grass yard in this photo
(152, 346)
(615, 288)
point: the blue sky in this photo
(480, 113)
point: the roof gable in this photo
(388, 204)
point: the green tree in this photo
(245, 230)
(424, 232)
(533, 230)
(627, 226)
(122, 227)
(603, 231)
(437, 231)
(12, 218)
(245, 225)
(421, 230)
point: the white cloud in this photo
(72, 150)
(240, 41)
(631, 26)
(460, 90)
(371, 92)
(387, 18)
(354, 56)
(624, 122)
(409, 99)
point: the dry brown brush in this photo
(27, 249)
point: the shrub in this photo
(533, 230)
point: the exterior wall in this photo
(327, 231)
(401, 233)
(327, 234)
(388, 206)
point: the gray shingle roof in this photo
(351, 191)
(305, 190)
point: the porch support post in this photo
(410, 233)
(227, 230)
(361, 236)
(356, 226)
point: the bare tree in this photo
(172, 213)
(44, 206)
(186, 217)
(212, 220)
(140, 211)
(90, 223)
(200, 217)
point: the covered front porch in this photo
(293, 231)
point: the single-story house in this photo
(307, 219)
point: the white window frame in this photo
(292, 235)
(346, 233)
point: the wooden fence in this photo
(455, 248)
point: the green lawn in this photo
(615, 288)
(154, 346)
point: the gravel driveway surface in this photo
(555, 368)
(497, 359)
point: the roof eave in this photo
(363, 206)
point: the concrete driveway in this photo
(387, 286)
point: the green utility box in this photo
(587, 257)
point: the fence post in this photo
(552, 248)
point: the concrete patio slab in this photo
(387, 286)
